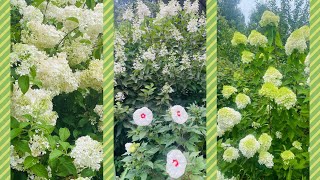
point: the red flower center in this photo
(178, 113)
(175, 162)
(143, 115)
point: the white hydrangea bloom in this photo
(227, 118)
(18, 3)
(249, 146)
(131, 147)
(87, 153)
(179, 114)
(16, 161)
(269, 18)
(172, 9)
(31, 13)
(149, 54)
(230, 154)
(99, 111)
(59, 77)
(265, 158)
(167, 89)
(36, 102)
(142, 10)
(143, 116)
(191, 8)
(41, 35)
(128, 14)
(176, 163)
(176, 34)
(119, 96)
(78, 50)
(91, 77)
(38, 145)
(257, 39)
(273, 76)
(242, 100)
(278, 135)
(297, 40)
(192, 25)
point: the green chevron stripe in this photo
(315, 90)
(211, 89)
(108, 161)
(5, 90)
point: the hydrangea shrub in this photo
(56, 110)
(160, 91)
(263, 112)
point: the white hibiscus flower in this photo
(179, 114)
(143, 116)
(176, 164)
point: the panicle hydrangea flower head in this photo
(192, 25)
(179, 114)
(242, 100)
(286, 97)
(265, 142)
(99, 111)
(18, 3)
(142, 10)
(265, 158)
(35, 102)
(227, 118)
(143, 116)
(278, 135)
(149, 54)
(220, 131)
(273, 76)
(239, 38)
(249, 146)
(256, 125)
(30, 13)
(269, 90)
(257, 39)
(191, 8)
(297, 40)
(230, 154)
(171, 9)
(87, 153)
(176, 163)
(16, 161)
(119, 96)
(38, 145)
(297, 145)
(287, 156)
(128, 14)
(269, 18)
(91, 77)
(227, 91)
(131, 147)
(247, 57)
(41, 35)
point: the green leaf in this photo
(14, 123)
(65, 145)
(30, 161)
(22, 146)
(74, 19)
(36, 3)
(64, 133)
(55, 154)
(87, 173)
(24, 83)
(66, 167)
(144, 176)
(15, 132)
(33, 72)
(39, 170)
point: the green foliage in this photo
(264, 114)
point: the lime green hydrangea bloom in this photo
(242, 100)
(239, 38)
(249, 146)
(297, 145)
(230, 154)
(298, 40)
(265, 142)
(273, 76)
(257, 39)
(247, 56)
(269, 90)
(269, 18)
(287, 156)
(227, 91)
(266, 158)
(286, 97)
(227, 118)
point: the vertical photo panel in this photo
(56, 89)
(263, 89)
(160, 89)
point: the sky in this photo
(247, 6)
